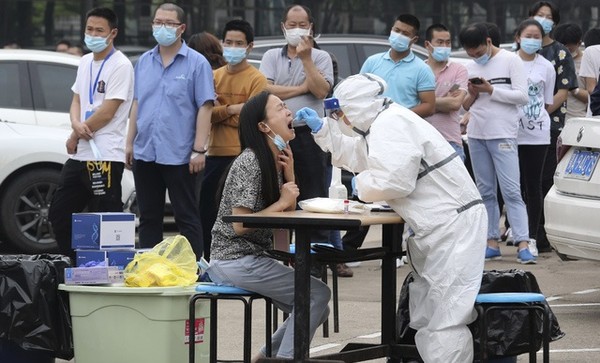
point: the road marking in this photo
(589, 291)
(322, 347)
(573, 305)
(554, 298)
(370, 336)
(583, 350)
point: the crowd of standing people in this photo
(259, 139)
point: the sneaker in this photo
(525, 257)
(492, 254)
(533, 247)
(343, 270)
(353, 264)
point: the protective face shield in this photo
(95, 44)
(531, 45)
(234, 55)
(360, 98)
(294, 35)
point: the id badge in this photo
(88, 114)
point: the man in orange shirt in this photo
(235, 83)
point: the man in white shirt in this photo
(497, 85)
(102, 96)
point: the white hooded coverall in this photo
(405, 162)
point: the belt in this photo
(469, 205)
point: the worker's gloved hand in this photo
(311, 118)
(353, 182)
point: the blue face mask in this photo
(279, 142)
(546, 24)
(441, 54)
(164, 36)
(95, 44)
(399, 42)
(483, 59)
(531, 45)
(234, 55)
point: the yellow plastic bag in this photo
(172, 262)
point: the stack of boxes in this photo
(104, 244)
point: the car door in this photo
(15, 95)
(51, 91)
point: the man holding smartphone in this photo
(493, 130)
(450, 86)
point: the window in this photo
(53, 92)
(10, 87)
(341, 53)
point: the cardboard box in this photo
(119, 258)
(103, 230)
(93, 275)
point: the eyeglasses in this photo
(165, 24)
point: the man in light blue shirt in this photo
(168, 129)
(411, 82)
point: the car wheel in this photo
(24, 211)
(564, 257)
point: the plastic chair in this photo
(532, 302)
(214, 293)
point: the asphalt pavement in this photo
(571, 287)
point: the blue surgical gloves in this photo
(311, 118)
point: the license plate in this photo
(582, 164)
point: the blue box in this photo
(103, 230)
(119, 258)
(93, 275)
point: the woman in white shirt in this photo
(534, 120)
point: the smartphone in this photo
(454, 87)
(476, 80)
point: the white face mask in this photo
(294, 35)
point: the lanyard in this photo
(93, 87)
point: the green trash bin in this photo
(135, 324)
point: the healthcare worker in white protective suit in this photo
(405, 162)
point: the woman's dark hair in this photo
(254, 112)
(524, 24)
(533, 10)
(210, 47)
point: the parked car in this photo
(572, 206)
(34, 125)
(36, 86)
(350, 50)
